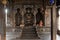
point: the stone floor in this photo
(13, 35)
(42, 37)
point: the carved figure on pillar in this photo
(29, 31)
(18, 18)
(28, 17)
(40, 18)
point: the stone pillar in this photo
(54, 22)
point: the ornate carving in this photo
(39, 17)
(28, 17)
(18, 18)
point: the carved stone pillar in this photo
(28, 17)
(18, 19)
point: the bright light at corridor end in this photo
(6, 10)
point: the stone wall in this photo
(48, 17)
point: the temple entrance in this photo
(29, 31)
(29, 18)
(27, 22)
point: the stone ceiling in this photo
(40, 2)
(26, 1)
